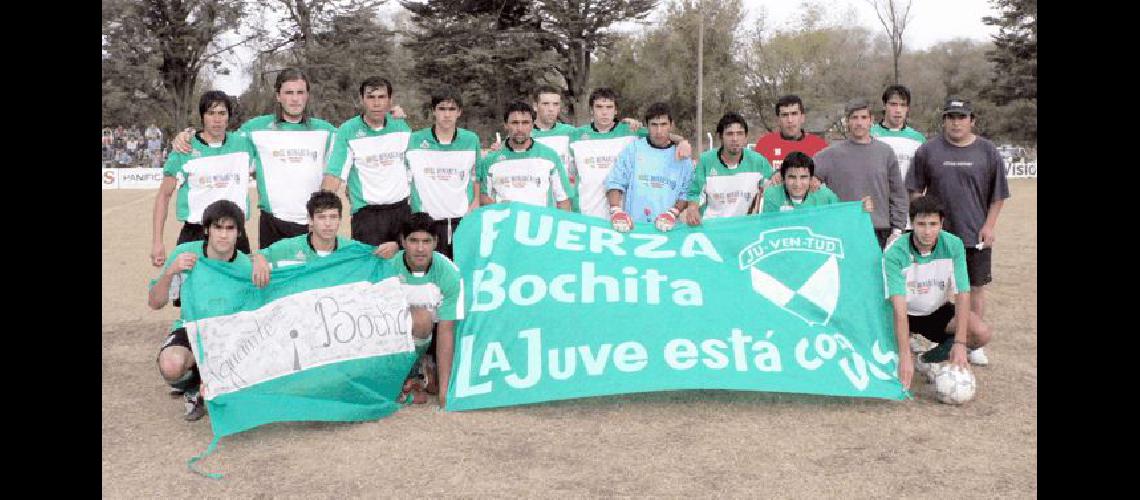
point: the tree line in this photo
(159, 55)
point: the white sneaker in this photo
(978, 357)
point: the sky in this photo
(932, 21)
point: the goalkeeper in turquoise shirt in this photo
(648, 184)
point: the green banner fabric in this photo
(561, 306)
(329, 340)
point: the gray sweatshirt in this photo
(856, 170)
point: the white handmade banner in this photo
(301, 331)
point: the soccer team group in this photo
(409, 190)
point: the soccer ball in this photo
(954, 385)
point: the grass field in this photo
(692, 443)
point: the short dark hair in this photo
(323, 200)
(728, 119)
(928, 204)
(375, 82)
(789, 100)
(658, 109)
(546, 89)
(518, 107)
(210, 98)
(220, 210)
(446, 93)
(796, 159)
(417, 222)
(603, 93)
(899, 90)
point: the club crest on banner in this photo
(776, 265)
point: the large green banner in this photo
(561, 306)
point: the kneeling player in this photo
(434, 290)
(928, 286)
(324, 208)
(224, 224)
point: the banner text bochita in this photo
(694, 308)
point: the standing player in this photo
(524, 170)
(368, 153)
(648, 183)
(434, 289)
(290, 154)
(216, 169)
(862, 167)
(550, 132)
(224, 223)
(731, 178)
(967, 172)
(790, 136)
(894, 130)
(928, 286)
(593, 149)
(441, 160)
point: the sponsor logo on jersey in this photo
(296, 155)
(776, 151)
(656, 181)
(810, 293)
(445, 173)
(923, 287)
(217, 181)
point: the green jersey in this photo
(776, 199)
(240, 262)
(725, 191)
(592, 156)
(558, 139)
(534, 176)
(905, 142)
(299, 250)
(442, 174)
(290, 159)
(439, 289)
(928, 281)
(210, 173)
(371, 161)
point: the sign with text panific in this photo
(562, 306)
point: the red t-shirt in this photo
(775, 148)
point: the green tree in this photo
(154, 52)
(1014, 51)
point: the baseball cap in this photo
(955, 105)
(855, 105)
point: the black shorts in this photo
(933, 326)
(444, 230)
(271, 229)
(194, 232)
(376, 224)
(978, 263)
(882, 235)
(175, 338)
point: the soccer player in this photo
(648, 183)
(434, 289)
(290, 153)
(224, 223)
(790, 117)
(967, 173)
(548, 131)
(368, 153)
(524, 170)
(324, 209)
(928, 286)
(862, 166)
(730, 178)
(894, 129)
(797, 171)
(441, 160)
(216, 169)
(596, 145)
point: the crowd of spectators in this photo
(132, 147)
